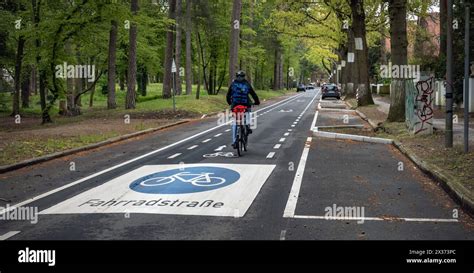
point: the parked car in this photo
(301, 87)
(330, 90)
(310, 87)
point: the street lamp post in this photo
(466, 76)
(448, 138)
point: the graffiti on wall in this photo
(419, 106)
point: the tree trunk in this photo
(46, 118)
(189, 57)
(364, 96)
(130, 100)
(33, 80)
(398, 36)
(91, 98)
(177, 77)
(167, 79)
(26, 88)
(122, 81)
(69, 88)
(18, 63)
(277, 69)
(234, 39)
(203, 63)
(351, 70)
(111, 104)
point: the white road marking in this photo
(289, 130)
(282, 139)
(220, 148)
(43, 195)
(270, 155)
(313, 124)
(8, 235)
(377, 219)
(282, 235)
(218, 135)
(206, 140)
(295, 188)
(173, 156)
(203, 116)
(228, 130)
(286, 134)
(232, 200)
(277, 146)
(192, 147)
(292, 125)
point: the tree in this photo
(169, 52)
(234, 39)
(361, 53)
(36, 8)
(111, 104)
(132, 61)
(18, 66)
(398, 38)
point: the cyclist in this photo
(238, 94)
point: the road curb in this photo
(352, 137)
(447, 182)
(29, 162)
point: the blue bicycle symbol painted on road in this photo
(187, 180)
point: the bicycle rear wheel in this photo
(238, 142)
(243, 133)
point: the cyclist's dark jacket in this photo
(238, 94)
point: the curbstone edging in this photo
(352, 137)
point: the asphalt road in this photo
(281, 189)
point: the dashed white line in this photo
(282, 235)
(282, 139)
(289, 130)
(206, 140)
(286, 134)
(218, 135)
(228, 130)
(292, 125)
(270, 155)
(192, 147)
(277, 146)
(173, 156)
(8, 235)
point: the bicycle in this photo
(241, 138)
(199, 180)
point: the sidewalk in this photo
(438, 123)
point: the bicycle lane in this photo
(98, 218)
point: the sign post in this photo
(173, 71)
